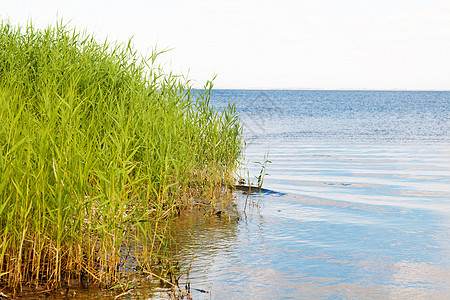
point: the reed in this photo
(97, 144)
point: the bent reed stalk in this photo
(96, 144)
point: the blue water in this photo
(358, 205)
(342, 117)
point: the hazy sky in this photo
(319, 44)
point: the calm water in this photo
(359, 204)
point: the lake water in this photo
(358, 203)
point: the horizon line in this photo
(330, 89)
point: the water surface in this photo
(357, 204)
(358, 207)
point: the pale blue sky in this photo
(319, 44)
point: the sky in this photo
(272, 44)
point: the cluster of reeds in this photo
(96, 144)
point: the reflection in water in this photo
(286, 249)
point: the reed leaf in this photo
(94, 139)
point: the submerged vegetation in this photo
(96, 145)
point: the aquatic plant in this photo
(97, 144)
(262, 172)
(241, 184)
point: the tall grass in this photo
(96, 143)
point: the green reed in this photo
(97, 143)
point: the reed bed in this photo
(97, 144)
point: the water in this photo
(358, 203)
(342, 117)
(356, 206)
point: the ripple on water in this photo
(371, 225)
